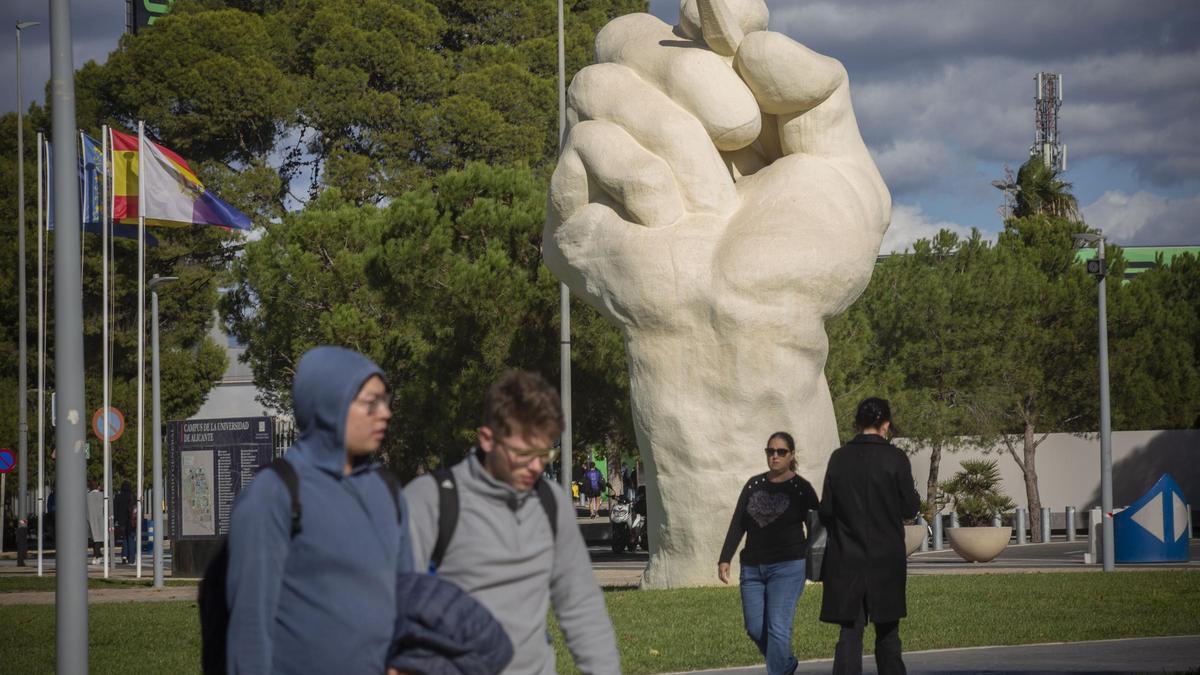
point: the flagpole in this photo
(84, 196)
(41, 397)
(104, 347)
(141, 359)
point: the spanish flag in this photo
(174, 197)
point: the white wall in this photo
(1068, 467)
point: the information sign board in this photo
(210, 462)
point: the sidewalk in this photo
(1134, 655)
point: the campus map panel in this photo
(209, 463)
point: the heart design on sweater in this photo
(765, 507)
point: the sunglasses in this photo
(777, 452)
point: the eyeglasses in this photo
(777, 452)
(377, 404)
(527, 455)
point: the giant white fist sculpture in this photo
(715, 200)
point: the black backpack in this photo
(448, 511)
(214, 609)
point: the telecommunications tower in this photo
(1046, 103)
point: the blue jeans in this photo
(128, 550)
(769, 597)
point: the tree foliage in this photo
(444, 288)
(370, 98)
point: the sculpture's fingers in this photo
(613, 93)
(809, 92)
(602, 157)
(727, 22)
(697, 79)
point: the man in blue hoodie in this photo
(326, 600)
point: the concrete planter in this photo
(913, 536)
(978, 544)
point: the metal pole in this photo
(924, 537)
(937, 531)
(1071, 523)
(104, 348)
(1020, 517)
(157, 502)
(71, 596)
(564, 294)
(1094, 529)
(141, 356)
(41, 396)
(954, 519)
(1045, 524)
(23, 347)
(1106, 495)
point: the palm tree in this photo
(1041, 191)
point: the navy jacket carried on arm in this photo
(325, 601)
(443, 631)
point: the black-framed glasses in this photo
(377, 403)
(527, 455)
(777, 452)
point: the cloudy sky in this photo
(943, 90)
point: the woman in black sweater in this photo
(771, 513)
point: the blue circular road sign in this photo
(113, 419)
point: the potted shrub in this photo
(915, 533)
(975, 493)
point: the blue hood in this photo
(327, 381)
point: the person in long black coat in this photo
(868, 494)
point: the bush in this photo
(975, 493)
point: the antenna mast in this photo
(1048, 99)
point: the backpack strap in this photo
(443, 477)
(287, 473)
(393, 486)
(545, 493)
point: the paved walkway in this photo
(1136, 655)
(103, 595)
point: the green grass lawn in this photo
(46, 583)
(702, 628)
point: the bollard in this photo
(925, 539)
(937, 531)
(1070, 523)
(1045, 524)
(954, 519)
(1095, 527)
(996, 520)
(1020, 517)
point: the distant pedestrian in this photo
(868, 495)
(95, 519)
(593, 487)
(771, 513)
(629, 481)
(123, 508)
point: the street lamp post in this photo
(23, 349)
(564, 294)
(157, 505)
(70, 597)
(1098, 267)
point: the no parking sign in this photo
(7, 460)
(108, 420)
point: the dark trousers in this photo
(22, 544)
(847, 658)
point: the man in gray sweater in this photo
(504, 551)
